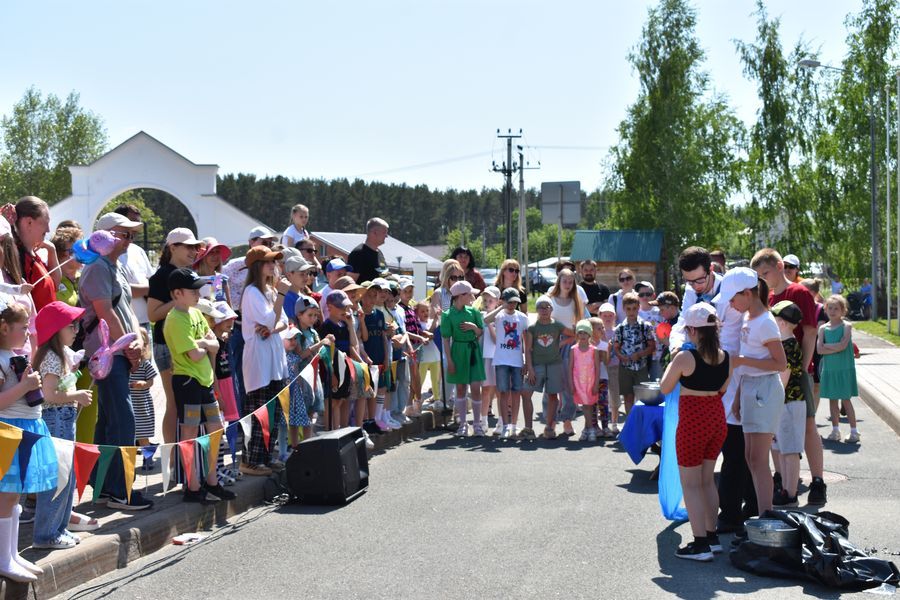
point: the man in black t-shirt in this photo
(366, 259)
(597, 293)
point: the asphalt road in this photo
(484, 519)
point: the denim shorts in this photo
(162, 357)
(509, 379)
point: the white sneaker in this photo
(513, 434)
(392, 421)
(592, 435)
(463, 430)
(498, 430)
(478, 429)
(584, 435)
(369, 443)
(834, 436)
(853, 438)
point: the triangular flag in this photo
(148, 452)
(65, 451)
(231, 435)
(247, 428)
(106, 455)
(203, 443)
(314, 363)
(129, 455)
(186, 450)
(284, 397)
(308, 374)
(341, 371)
(165, 456)
(86, 456)
(29, 439)
(262, 415)
(273, 422)
(394, 370)
(9, 440)
(350, 368)
(373, 374)
(368, 377)
(215, 442)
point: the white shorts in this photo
(762, 402)
(490, 377)
(791, 433)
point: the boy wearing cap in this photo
(791, 432)
(633, 345)
(510, 326)
(194, 347)
(543, 362)
(376, 348)
(295, 269)
(770, 267)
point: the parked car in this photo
(489, 275)
(542, 279)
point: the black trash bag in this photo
(825, 554)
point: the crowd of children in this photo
(230, 335)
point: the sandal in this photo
(82, 523)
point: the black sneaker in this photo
(714, 544)
(776, 481)
(219, 492)
(818, 492)
(782, 500)
(699, 551)
(199, 497)
(137, 502)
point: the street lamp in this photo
(810, 63)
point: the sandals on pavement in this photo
(82, 523)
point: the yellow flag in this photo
(215, 440)
(284, 397)
(129, 454)
(10, 437)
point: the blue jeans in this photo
(52, 516)
(115, 422)
(236, 362)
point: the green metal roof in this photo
(621, 246)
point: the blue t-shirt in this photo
(289, 305)
(374, 346)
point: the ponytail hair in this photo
(762, 288)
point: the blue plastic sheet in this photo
(670, 493)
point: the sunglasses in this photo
(123, 235)
(645, 295)
(457, 277)
(624, 279)
(313, 273)
(308, 250)
(512, 270)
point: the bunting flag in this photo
(203, 445)
(284, 398)
(215, 442)
(314, 363)
(262, 415)
(129, 455)
(367, 375)
(351, 368)
(165, 459)
(106, 456)
(148, 452)
(341, 371)
(270, 408)
(10, 437)
(29, 439)
(186, 450)
(247, 428)
(65, 455)
(373, 375)
(86, 456)
(394, 370)
(308, 374)
(231, 437)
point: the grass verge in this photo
(879, 329)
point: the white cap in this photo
(492, 291)
(736, 280)
(606, 307)
(698, 315)
(295, 264)
(227, 312)
(461, 287)
(791, 259)
(110, 220)
(182, 235)
(405, 282)
(208, 308)
(261, 232)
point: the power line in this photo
(434, 163)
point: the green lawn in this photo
(879, 329)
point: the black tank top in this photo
(706, 377)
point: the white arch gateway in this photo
(142, 161)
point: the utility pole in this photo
(507, 169)
(523, 231)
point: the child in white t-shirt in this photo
(509, 359)
(429, 357)
(598, 340)
(489, 300)
(296, 232)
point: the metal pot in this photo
(648, 393)
(772, 533)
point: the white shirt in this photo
(487, 340)
(602, 347)
(294, 234)
(565, 314)
(616, 300)
(509, 350)
(236, 280)
(755, 333)
(678, 337)
(429, 352)
(137, 269)
(264, 359)
(323, 305)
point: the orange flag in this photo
(186, 449)
(129, 454)
(86, 456)
(262, 415)
(10, 437)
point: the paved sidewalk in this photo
(878, 376)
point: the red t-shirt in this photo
(804, 299)
(34, 268)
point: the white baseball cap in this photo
(261, 232)
(182, 235)
(792, 260)
(699, 315)
(735, 281)
(110, 220)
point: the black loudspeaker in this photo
(331, 468)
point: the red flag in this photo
(86, 456)
(351, 368)
(186, 449)
(262, 415)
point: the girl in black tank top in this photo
(701, 425)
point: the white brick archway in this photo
(142, 161)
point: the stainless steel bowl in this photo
(772, 533)
(648, 393)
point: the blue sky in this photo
(345, 89)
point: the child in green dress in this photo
(461, 326)
(837, 369)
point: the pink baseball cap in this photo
(53, 318)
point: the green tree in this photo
(40, 140)
(678, 158)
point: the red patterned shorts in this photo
(701, 429)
